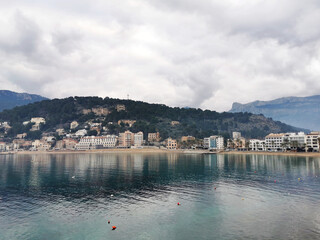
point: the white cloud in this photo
(183, 53)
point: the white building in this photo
(257, 145)
(274, 141)
(296, 139)
(38, 120)
(81, 133)
(312, 141)
(213, 143)
(236, 135)
(138, 139)
(93, 142)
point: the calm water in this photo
(40, 199)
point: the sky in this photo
(204, 53)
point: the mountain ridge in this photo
(10, 99)
(303, 112)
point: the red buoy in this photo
(114, 227)
(275, 181)
(178, 203)
(108, 221)
(215, 188)
(255, 171)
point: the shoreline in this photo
(155, 151)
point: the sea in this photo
(159, 196)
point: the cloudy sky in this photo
(204, 53)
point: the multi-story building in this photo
(213, 143)
(171, 143)
(257, 145)
(274, 141)
(312, 141)
(154, 137)
(138, 139)
(236, 135)
(126, 139)
(296, 139)
(94, 142)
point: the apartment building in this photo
(312, 141)
(154, 137)
(213, 143)
(138, 139)
(126, 139)
(187, 138)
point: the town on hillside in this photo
(94, 136)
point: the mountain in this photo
(303, 112)
(9, 99)
(59, 113)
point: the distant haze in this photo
(206, 53)
(299, 112)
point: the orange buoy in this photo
(114, 227)
(108, 221)
(178, 203)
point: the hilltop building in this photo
(187, 138)
(236, 135)
(120, 107)
(74, 125)
(129, 122)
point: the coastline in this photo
(166, 151)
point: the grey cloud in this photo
(196, 53)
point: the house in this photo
(154, 137)
(120, 107)
(187, 138)
(129, 122)
(74, 125)
(171, 143)
(174, 123)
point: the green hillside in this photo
(59, 113)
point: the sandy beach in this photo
(157, 151)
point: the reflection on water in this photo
(71, 196)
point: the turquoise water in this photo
(256, 196)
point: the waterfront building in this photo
(138, 139)
(154, 137)
(257, 145)
(2, 146)
(236, 135)
(274, 141)
(94, 142)
(312, 141)
(126, 139)
(171, 143)
(213, 143)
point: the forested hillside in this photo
(59, 113)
